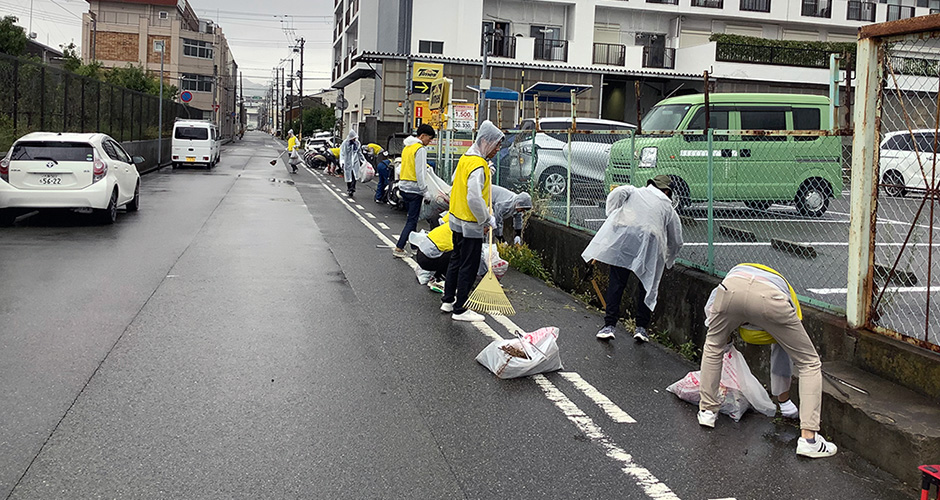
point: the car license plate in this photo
(50, 179)
(190, 158)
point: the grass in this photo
(524, 259)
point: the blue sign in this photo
(186, 96)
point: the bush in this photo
(523, 259)
(739, 48)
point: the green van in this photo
(757, 168)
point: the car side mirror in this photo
(138, 160)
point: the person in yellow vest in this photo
(293, 157)
(470, 218)
(413, 187)
(761, 303)
(434, 249)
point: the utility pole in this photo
(292, 87)
(301, 83)
(282, 103)
(484, 83)
(162, 45)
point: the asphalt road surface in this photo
(247, 334)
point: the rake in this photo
(274, 161)
(489, 296)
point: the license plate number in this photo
(50, 180)
(190, 158)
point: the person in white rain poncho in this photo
(642, 234)
(350, 159)
(507, 204)
(470, 217)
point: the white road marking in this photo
(369, 215)
(383, 226)
(360, 207)
(897, 289)
(643, 477)
(611, 409)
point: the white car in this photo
(589, 153)
(899, 167)
(84, 172)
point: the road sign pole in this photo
(406, 127)
(160, 119)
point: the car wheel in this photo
(7, 217)
(893, 183)
(812, 199)
(175, 165)
(681, 196)
(554, 182)
(134, 204)
(758, 205)
(108, 215)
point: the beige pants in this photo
(742, 300)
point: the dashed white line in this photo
(369, 215)
(360, 207)
(611, 409)
(383, 226)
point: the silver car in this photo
(903, 154)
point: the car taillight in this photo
(5, 168)
(205, 158)
(100, 169)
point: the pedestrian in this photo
(761, 301)
(293, 157)
(350, 158)
(470, 218)
(508, 204)
(642, 234)
(434, 250)
(381, 171)
(412, 182)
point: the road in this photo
(248, 334)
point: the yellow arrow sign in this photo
(420, 87)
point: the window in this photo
(197, 48)
(713, 4)
(764, 119)
(192, 133)
(196, 83)
(665, 117)
(718, 119)
(861, 11)
(817, 8)
(925, 142)
(115, 151)
(900, 142)
(806, 119)
(58, 151)
(164, 14)
(755, 5)
(429, 47)
(896, 12)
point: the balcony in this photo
(551, 50)
(861, 11)
(755, 5)
(610, 54)
(662, 58)
(776, 56)
(337, 71)
(817, 8)
(896, 12)
(501, 46)
(711, 4)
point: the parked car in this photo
(756, 169)
(83, 172)
(196, 142)
(318, 144)
(589, 153)
(900, 170)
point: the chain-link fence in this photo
(39, 97)
(902, 282)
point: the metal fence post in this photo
(123, 93)
(81, 120)
(98, 108)
(65, 101)
(16, 91)
(710, 262)
(42, 97)
(865, 152)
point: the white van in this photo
(195, 142)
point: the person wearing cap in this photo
(642, 235)
(412, 183)
(469, 218)
(760, 303)
(382, 171)
(350, 159)
(508, 204)
(292, 155)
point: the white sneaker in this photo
(820, 449)
(707, 418)
(401, 254)
(606, 333)
(447, 307)
(468, 315)
(789, 410)
(640, 335)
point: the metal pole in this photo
(65, 101)
(160, 112)
(301, 84)
(16, 91)
(710, 262)
(834, 91)
(409, 121)
(482, 115)
(574, 113)
(290, 105)
(42, 97)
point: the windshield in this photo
(53, 150)
(192, 133)
(665, 117)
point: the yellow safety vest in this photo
(760, 337)
(459, 207)
(408, 172)
(291, 143)
(442, 236)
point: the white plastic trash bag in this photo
(366, 173)
(737, 391)
(424, 276)
(500, 266)
(439, 193)
(529, 354)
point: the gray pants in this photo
(741, 300)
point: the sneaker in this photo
(606, 333)
(707, 418)
(640, 335)
(789, 410)
(436, 286)
(401, 254)
(447, 307)
(818, 449)
(468, 315)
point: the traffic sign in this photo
(420, 87)
(186, 96)
(426, 72)
(465, 116)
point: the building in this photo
(196, 59)
(615, 46)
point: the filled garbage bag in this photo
(500, 266)
(529, 354)
(439, 194)
(366, 173)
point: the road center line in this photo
(602, 401)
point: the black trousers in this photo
(438, 266)
(462, 271)
(351, 186)
(618, 282)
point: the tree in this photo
(12, 37)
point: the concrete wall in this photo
(148, 149)
(680, 312)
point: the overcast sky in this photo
(255, 30)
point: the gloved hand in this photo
(491, 222)
(517, 240)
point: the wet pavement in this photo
(248, 334)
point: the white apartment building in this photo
(609, 44)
